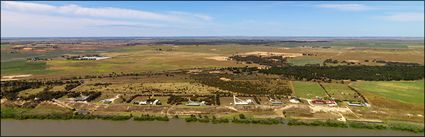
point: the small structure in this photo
(358, 104)
(238, 101)
(195, 103)
(149, 102)
(295, 100)
(92, 58)
(110, 100)
(81, 98)
(324, 102)
(107, 101)
(275, 102)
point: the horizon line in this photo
(216, 36)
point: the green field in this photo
(341, 91)
(23, 67)
(403, 91)
(308, 89)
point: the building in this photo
(324, 102)
(358, 104)
(275, 102)
(194, 103)
(238, 101)
(295, 100)
(81, 98)
(148, 102)
(92, 58)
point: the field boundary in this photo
(324, 89)
(361, 95)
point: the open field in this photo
(341, 92)
(160, 57)
(403, 91)
(308, 90)
(31, 91)
(23, 67)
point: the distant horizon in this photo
(221, 37)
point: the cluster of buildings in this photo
(92, 58)
(85, 57)
(149, 102)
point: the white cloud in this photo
(106, 12)
(405, 17)
(33, 19)
(346, 7)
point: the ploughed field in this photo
(194, 81)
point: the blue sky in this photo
(213, 18)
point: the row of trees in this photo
(371, 73)
(10, 89)
(266, 60)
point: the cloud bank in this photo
(405, 17)
(346, 7)
(18, 18)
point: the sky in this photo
(212, 18)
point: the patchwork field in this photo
(341, 92)
(403, 91)
(308, 89)
(143, 58)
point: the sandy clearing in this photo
(218, 58)
(329, 109)
(354, 61)
(225, 79)
(14, 77)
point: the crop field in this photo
(415, 55)
(30, 91)
(23, 67)
(341, 92)
(58, 88)
(402, 91)
(308, 90)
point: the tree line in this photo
(370, 73)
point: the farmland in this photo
(197, 80)
(147, 57)
(340, 91)
(403, 91)
(308, 89)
